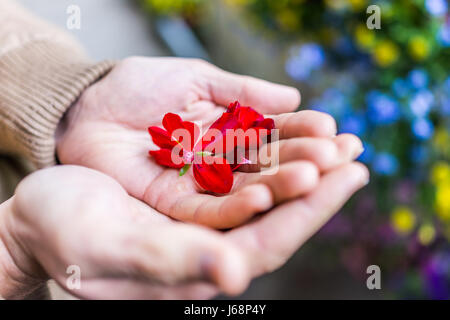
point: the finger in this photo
(264, 96)
(305, 123)
(226, 211)
(325, 153)
(272, 239)
(255, 193)
(349, 145)
(291, 180)
(175, 253)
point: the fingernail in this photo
(366, 182)
(366, 179)
(358, 152)
(207, 263)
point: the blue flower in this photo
(385, 164)
(312, 54)
(447, 85)
(345, 46)
(297, 69)
(335, 101)
(421, 103)
(400, 88)
(443, 35)
(352, 123)
(422, 128)
(436, 7)
(418, 153)
(368, 153)
(418, 78)
(445, 107)
(304, 60)
(382, 109)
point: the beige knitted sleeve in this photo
(42, 72)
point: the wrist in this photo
(66, 131)
(17, 278)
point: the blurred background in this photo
(390, 86)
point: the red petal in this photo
(267, 123)
(161, 138)
(233, 106)
(214, 177)
(164, 158)
(248, 117)
(171, 122)
(194, 132)
(225, 122)
(188, 134)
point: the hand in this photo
(70, 215)
(107, 130)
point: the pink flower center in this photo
(245, 161)
(188, 157)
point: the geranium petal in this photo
(214, 177)
(266, 123)
(171, 122)
(185, 132)
(161, 138)
(248, 117)
(194, 132)
(226, 122)
(164, 157)
(233, 106)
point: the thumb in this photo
(266, 97)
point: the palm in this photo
(110, 135)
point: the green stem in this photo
(184, 169)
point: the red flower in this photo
(212, 171)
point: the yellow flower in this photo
(336, 4)
(403, 220)
(288, 19)
(385, 53)
(426, 234)
(441, 139)
(419, 48)
(440, 172)
(442, 201)
(357, 5)
(365, 38)
(239, 2)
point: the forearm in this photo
(42, 72)
(14, 282)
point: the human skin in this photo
(70, 215)
(107, 130)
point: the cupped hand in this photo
(70, 215)
(73, 216)
(107, 130)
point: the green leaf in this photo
(185, 169)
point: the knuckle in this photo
(326, 153)
(200, 63)
(298, 177)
